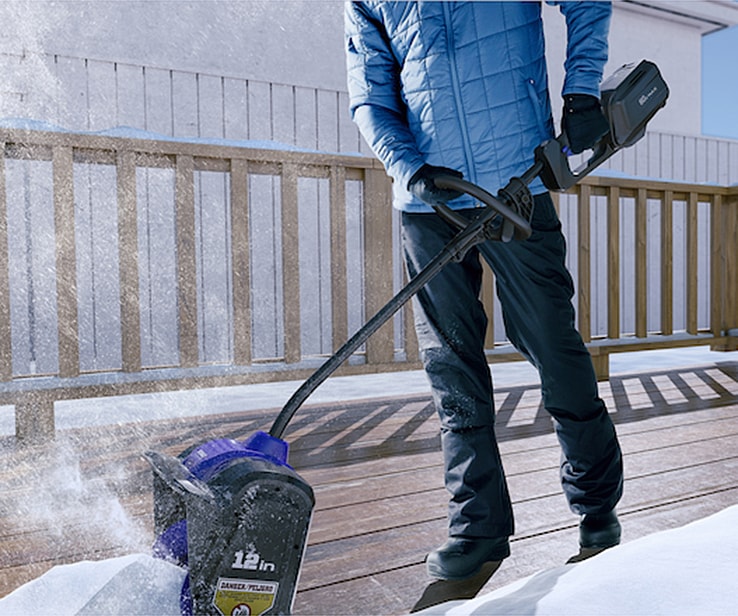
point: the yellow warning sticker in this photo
(234, 597)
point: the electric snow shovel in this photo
(235, 513)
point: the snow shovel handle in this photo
(514, 225)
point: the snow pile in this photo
(133, 585)
(689, 570)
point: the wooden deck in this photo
(376, 470)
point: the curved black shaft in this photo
(474, 233)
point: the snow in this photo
(130, 585)
(688, 570)
(129, 132)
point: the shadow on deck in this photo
(375, 467)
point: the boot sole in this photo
(585, 553)
(440, 591)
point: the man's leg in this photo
(535, 291)
(451, 323)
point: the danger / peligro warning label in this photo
(235, 597)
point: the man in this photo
(461, 88)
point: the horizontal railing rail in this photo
(139, 265)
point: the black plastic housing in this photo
(630, 97)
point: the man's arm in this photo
(587, 26)
(391, 141)
(374, 94)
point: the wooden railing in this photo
(681, 243)
(138, 265)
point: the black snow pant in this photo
(535, 291)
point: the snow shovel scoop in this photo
(234, 513)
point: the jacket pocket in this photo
(538, 106)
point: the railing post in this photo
(641, 265)
(34, 417)
(600, 363)
(130, 310)
(241, 265)
(6, 351)
(488, 300)
(667, 264)
(717, 267)
(692, 259)
(613, 263)
(724, 276)
(378, 261)
(291, 265)
(66, 262)
(339, 293)
(584, 237)
(731, 269)
(412, 349)
(186, 261)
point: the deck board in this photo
(375, 466)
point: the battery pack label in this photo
(235, 597)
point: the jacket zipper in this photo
(457, 94)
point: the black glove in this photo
(583, 122)
(422, 184)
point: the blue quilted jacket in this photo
(462, 84)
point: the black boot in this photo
(597, 532)
(461, 567)
(462, 557)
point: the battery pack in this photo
(630, 97)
